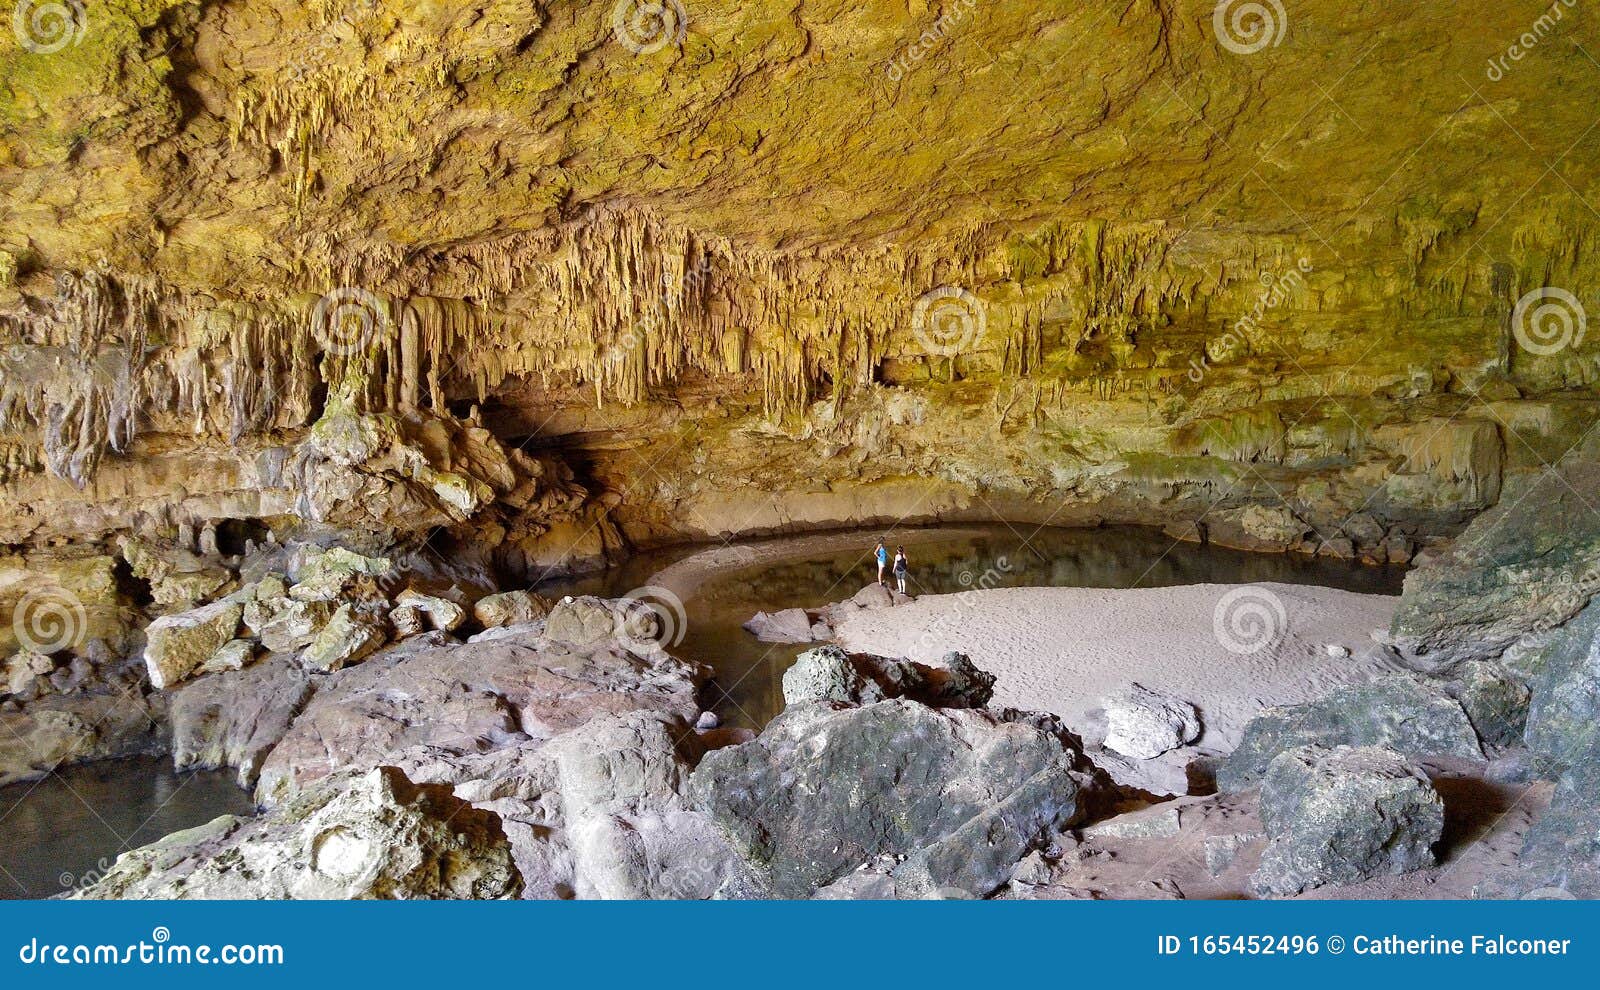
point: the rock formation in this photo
(327, 331)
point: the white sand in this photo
(1062, 650)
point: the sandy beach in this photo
(1062, 650)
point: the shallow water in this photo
(66, 830)
(747, 690)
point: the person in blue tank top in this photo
(883, 563)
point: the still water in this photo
(812, 571)
(64, 831)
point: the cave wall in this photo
(792, 265)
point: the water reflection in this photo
(748, 692)
(67, 829)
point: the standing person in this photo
(883, 563)
(902, 567)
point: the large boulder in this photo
(586, 621)
(1561, 854)
(371, 834)
(235, 719)
(1397, 712)
(630, 834)
(1144, 724)
(469, 699)
(286, 625)
(791, 625)
(828, 673)
(350, 636)
(179, 644)
(955, 797)
(511, 608)
(1521, 568)
(1343, 815)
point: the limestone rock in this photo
(630, 834)
(1144, 724)
(1561, 855)
(367, 835)
(1344, 815)
(442, 614)
(234, 719)
(586, 621)
(285, 625)
(791, 625)
(1395, 712)
(411, 698)
(59, 731)
(349, 638)
(511, 608)
(1513, 573)
(823, 791)
(827, 674)
(235, 654)
(1495, 701)
(180, 644)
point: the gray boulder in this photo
(792, 625)
(350, 637)
(365, 835)
(956, 797)
(1561, 855)
(1495, 701)
(235, 719)
(1396, 712)
(1143, 724)
(1343, 815)
(586, 621)
(1514, 572)
(828, 674)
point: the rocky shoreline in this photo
(405, 736)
